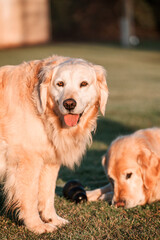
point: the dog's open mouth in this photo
(72, 120)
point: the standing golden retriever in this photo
(133, 167)
(48, 109)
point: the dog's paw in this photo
(52, 218)
(42, 228)
(93, 195)
(106, 197)
(58, 221)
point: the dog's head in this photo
(132, 170)
(74, 85)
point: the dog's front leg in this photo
(106, 196)
(21, 186)
(96, 194)
(47, 186)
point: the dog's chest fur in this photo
(69, 144)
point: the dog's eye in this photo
(128, 175)
(83, 84)
(60, 84)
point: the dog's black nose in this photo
(69, 104)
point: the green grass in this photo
(134, 102)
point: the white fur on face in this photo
(72, 75)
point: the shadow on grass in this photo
(108, 130)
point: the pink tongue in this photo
(71, 119)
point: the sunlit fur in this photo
(137, 155)
(132, 164)
(34, 141)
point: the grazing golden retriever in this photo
(48, 109)
(132, 164)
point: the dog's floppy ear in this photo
(105, 158)
(44, 78)
(149, 163)
(104, 163)
(103, 89)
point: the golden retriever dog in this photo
(48, 109)
(132, 164)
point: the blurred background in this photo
(128, 22)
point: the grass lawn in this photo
(134, 102)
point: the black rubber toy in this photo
(74, 191)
